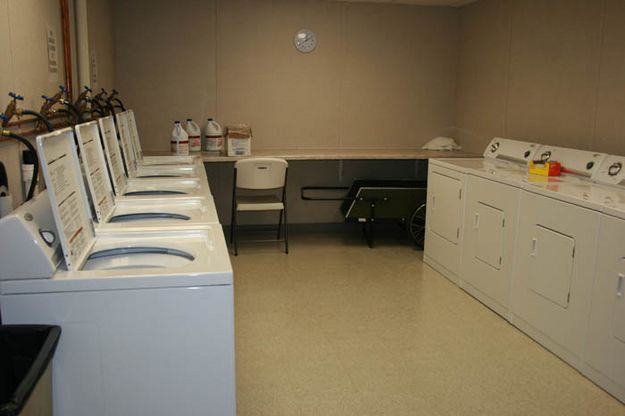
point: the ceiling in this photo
(452, 3)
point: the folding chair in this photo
(252, 176)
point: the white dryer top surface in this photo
(210, 265)
(516, 176)
(467, 164)
(507, 172)
(579, 192)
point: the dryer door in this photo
(488, 225)
(489, 233)
(551, 264)
(552, 284)
(445, 207)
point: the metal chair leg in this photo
(279, 225)
(286, 233)
(232, 228)
(232, 220)
(235, 233)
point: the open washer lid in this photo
(128, 150)
(95, 170)
(68, 199)
(112, 152)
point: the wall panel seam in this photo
(595, 116)
(508, 9)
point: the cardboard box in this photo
(239, 140)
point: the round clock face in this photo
(305, 40)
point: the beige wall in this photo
(100, 32)
(23, 68)
(382, 75)
(549, 71)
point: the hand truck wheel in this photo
(416, 226)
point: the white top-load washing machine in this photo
(133, 155)
(147, 317)
(492, 211)
(114, 215)
(166, 186)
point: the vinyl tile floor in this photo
(336, 328)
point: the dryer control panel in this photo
(510, 150)
(611, 171)
(579, 162)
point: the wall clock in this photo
(305, 40)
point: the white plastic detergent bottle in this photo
(195, 135)
(214, 137)
(179, 140)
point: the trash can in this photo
(25, 369)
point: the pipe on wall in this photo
(82, 42)
(67, 46)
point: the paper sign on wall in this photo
(53, 54)
(93, 63)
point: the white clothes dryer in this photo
(605, 339)
(456, 197)
(556, 249)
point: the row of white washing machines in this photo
(125, 252)
(545, 253)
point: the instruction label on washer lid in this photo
(93, 162)
(135, 133)
(67, 196)
(127, 137)
(114, 157)
(131, 161)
